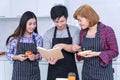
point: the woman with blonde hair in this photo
(101, 42)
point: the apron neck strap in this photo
(55, 31)
(33, 38)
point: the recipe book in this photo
(54, 53)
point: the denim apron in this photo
(92, 69)
(26, 70)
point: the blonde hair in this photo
(88, 12)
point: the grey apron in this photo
(62, 66)
(26, 70)
(92, 69)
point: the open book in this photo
(54, 53)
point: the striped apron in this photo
(26, 70)
(65, 65)
(92, 69)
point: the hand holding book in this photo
(51, 53)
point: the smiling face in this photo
(31, 25)
(83, 22)
(60, 23)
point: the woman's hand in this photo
(33, 57)
(20, 57)
(92, 54)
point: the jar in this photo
(71, 76)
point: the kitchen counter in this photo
(4, 58)
(6, 68)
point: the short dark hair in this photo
(58, 11)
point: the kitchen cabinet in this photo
(15, 8)
(45, 6)
(116, 71)
(8, 70)
(18, 7)
(5, 8)
(2, 73)
(43, 69)
(79, 68)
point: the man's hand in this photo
(52, 60)
(76, 48)
(60, 46)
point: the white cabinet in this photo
(79, 68)
(5, 8)
(43, 70)
(118, 72)
(15, 8)
(8, 70)
(45, 6)
(18, 7)
(2, 70)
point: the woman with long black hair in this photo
(25, 38)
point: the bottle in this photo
(71, 76)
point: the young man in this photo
(61, 36)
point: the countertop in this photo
(4, 58)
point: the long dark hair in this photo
(20, 30)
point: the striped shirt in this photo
(12, 44)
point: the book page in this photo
(54, 53)
(43, 52)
